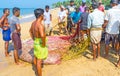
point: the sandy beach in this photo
(83, 66)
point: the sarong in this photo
(95, 35)
(40, 52)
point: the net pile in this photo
(57, 45)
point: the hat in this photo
(114, 1)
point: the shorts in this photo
(6, 35)
(108, 37)
(16, 41)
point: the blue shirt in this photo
(95, 19)
(75, 16)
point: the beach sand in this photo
(83, 66)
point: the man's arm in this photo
(42, 34)
(18, 28)
(50, 17)
(105, 23)
(2, 19)
(31, 31)
(89, 23)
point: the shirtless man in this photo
(37, 32)
(4, 24)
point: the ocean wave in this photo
(27, 18)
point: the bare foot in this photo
(18, 63)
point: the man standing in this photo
(83, 22)
(82, 7)
(61, 19)
(101, 6)
(4, 24)
(37, 33)
(95, 22)
(118, 64)
(71, 9)
(15, 30)
(75, 17)
(112, 25)
(47, 20)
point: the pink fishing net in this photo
(56, 46)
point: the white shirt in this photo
(47, 17)
(95, 19)
(113, 18)
(62, 14)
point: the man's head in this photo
(47, 8)
(77, 10)
(39, 13)
(114, 3)
(71, 2)
(83, 3)
(62, 7)
(100, 3)
(16, 11)
(95, 5)
(86, 9)
(6, 11)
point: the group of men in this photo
(85, 22)
(11, 30)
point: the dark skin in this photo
(4, 22)
(37, 31)
(18, 29)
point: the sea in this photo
(27, 14)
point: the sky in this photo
(25, 3)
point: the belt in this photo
(92, 29)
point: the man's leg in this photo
(98, 48)
(16, 56)
(107, 41)
(39, 69)
(6, 48)
(17, 46)
(94, 51)
(35, 61)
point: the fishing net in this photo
(57, 45)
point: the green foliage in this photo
(79, 2)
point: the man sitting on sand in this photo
(112, 25)
(47, 20)
(4, 24)
(15, 31)
(95, 22)
(61, 19)
(37, 32)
